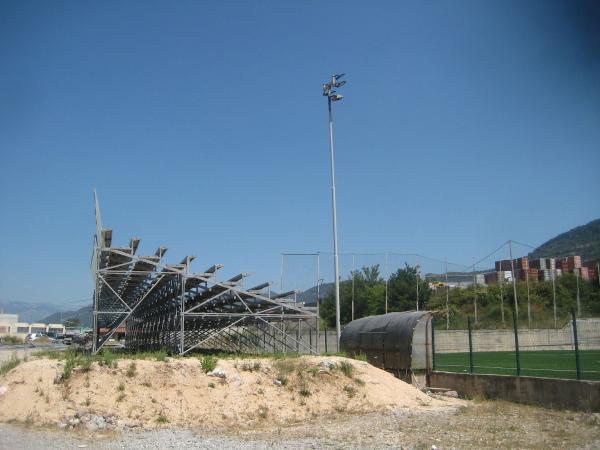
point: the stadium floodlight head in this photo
(328, 88)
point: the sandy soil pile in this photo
(178, 392)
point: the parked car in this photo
(32, 337)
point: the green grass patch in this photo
(346, 368)
(11, 340)
(547, 363)
(208, 363)
(9, 364)
(360, 357)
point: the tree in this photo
(402, 290)
(369, 294)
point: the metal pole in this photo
(578, 299)
(432, 343)
(514, 281)
(334, 212)
(281, 274)
(417, 284)
(353, 272)
(502, 296)
(182, 331)
(318, 299)
(474, 291)
(554, 295)
(386, 282)
(576, 344)
(528, 300)
(447, 295)
(516, 330)
(470, 344)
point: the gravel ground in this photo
(497, 425)
(22, 350)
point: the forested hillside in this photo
(583, 240)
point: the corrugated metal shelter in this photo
(399, 342)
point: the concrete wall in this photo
(306, 338)
(548, 392)
(588, 333)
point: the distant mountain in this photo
(28, 312)
(309, 296)
(83, 314)
(583, 240)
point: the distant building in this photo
(9, 324)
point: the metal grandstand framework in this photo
(166, 306)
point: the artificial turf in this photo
(549, 363)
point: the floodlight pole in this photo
(332, 96)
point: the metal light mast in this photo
(333, 96)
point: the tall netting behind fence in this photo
(488, 294)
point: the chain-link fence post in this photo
(432, 343)
(576, 344)
(516, 329)
(470, 345)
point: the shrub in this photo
(251, 367)
(86, 364)
(360, 356)
(131, 370)
(304, 392)
(347, 368)
(350, 390)
(263, 412)
(208, 363)
(121, 387)
(11, 340)
(70, 364)
(9, 364)
(162, 419)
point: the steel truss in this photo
(165, 306)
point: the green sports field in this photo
(550, 363)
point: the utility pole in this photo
(333, 96)
(514, 281)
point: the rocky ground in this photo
(306, 402)
(477, 425)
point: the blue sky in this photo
(203, 128)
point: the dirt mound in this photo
(242, 392)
